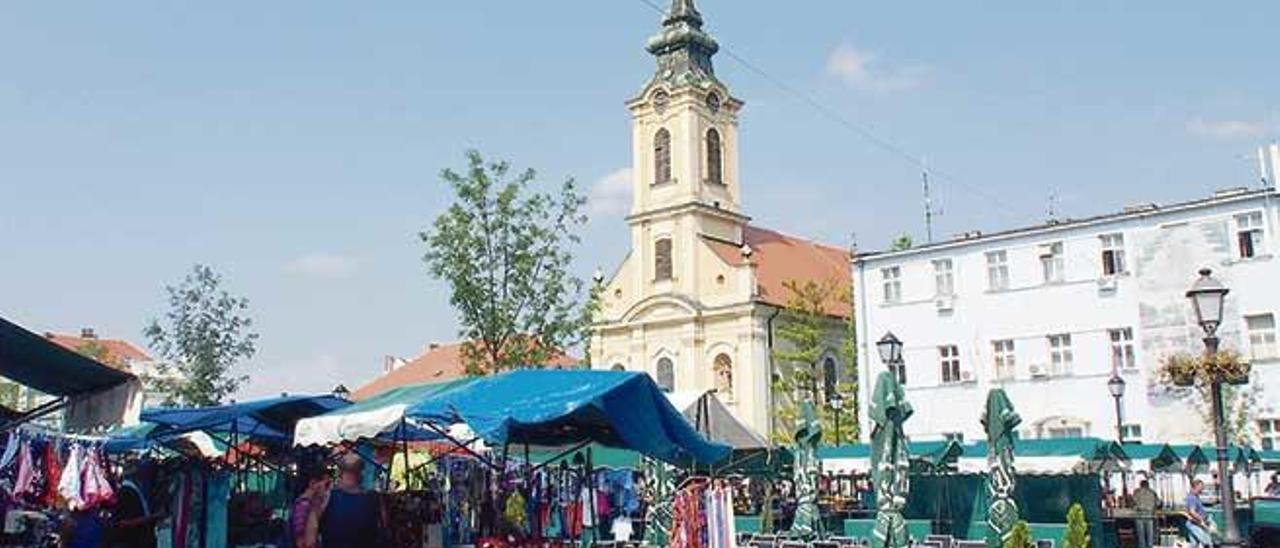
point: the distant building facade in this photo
(694, 302)
(124, 355)
(1050, 312)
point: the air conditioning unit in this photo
(1039, 372)
(967, 376)
(945, 304)
(1108, 283)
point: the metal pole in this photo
(1231, 535)
(1124, 476)
(837, 410)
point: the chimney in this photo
(1269, 164)
(391, 363)
(432, 347)
(88, 333)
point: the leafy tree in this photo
(504, 250)
(204, 335)
(805, 338)
(902, 243)
(1019, 536)
(1077, 535)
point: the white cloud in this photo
(1226, 129)
(864, 71)
(611, 195)
(323, 265)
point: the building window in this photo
(662, 259)
(1051, 262)
(1113, 254)
(1122, 349)
(662, 157)
(618, 367)
(949, 359)
(1005, 362)
(666, 374)
(1060, 355)
(957, 437)
(1262, 336)
(997, 270)
(899, 370)
(1131, 432)
(892, 284)
(944, 277)
(830, 378)
(715, 172)
(1249, 234)
(723, 368)
(1060, 432)
(1269, 434)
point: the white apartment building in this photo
(1049, 312)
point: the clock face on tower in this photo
(660, 101)
(713, 102)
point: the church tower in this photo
(684, 152)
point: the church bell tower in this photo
(685, 135)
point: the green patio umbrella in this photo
(806, 472)
(890, 460)
(999, 420)
(659, 487)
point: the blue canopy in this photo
(552, 407)
(272, 418)
(34, 361)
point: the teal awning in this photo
(1193, 458)
(1161, 456)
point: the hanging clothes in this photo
(69, 483)
(217, 495)
(25, 482)
(96, 489)
(52, 474)
(10, 450)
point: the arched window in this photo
(723, 367)
(662, 268)
(662, 157)
(715, 172)
(830, 378)
(666, 374)
(618, 367)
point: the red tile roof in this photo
(781, 258)
(439, 363)
(119, 353)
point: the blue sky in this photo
(295, 145)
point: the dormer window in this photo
(715, 169)
(662, 157)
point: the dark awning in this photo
(34, 361)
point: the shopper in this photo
(1273, 488)
(304, 518)
(1145, 503)
(350, 517)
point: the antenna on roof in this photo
(929, 211)
(1269, 164)
(1053, 205)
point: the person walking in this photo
(1145, 503)
(1273, 488)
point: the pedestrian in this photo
(351, 517)
(134, 519)
(1273, 488)
(304, 516)
(1198, 526)
(1145, 503)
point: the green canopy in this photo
(1161, 456)
(999, 421)
(1193, 458)
(926, 456)
(1242, 459)
(808, 435)
(890, 460)
(1099, 454)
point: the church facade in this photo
(696, 301)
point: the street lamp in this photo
(1116, 387)
(341, 392)
(837, 404)
(1207, 296)
(890, 349)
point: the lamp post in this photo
(890, 349)
(1116, 387)
(837, 404)
(1207, 296)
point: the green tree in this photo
(99, 353)
(1019, 536)
(504, 250)
(902, 243)
(807, 332)
(1077, 535)
(204, 335)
